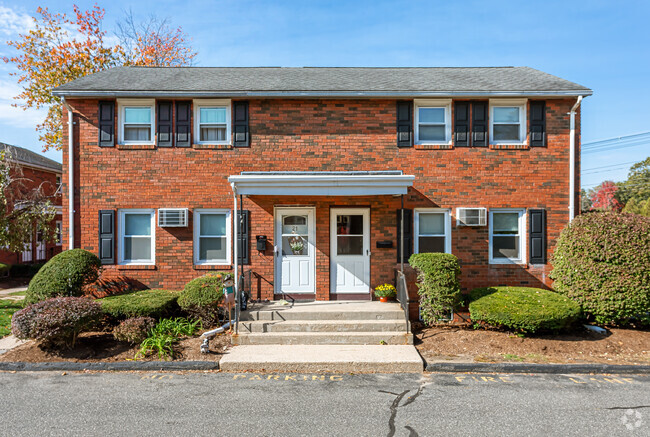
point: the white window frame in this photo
(197, 234)
(433, 103)
(130, 103)
(416, 227)
(522, 237)
(522, 104)
(121, 227)
(59, 232)
(211, 103)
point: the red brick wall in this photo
(320, 135)
(33, 178)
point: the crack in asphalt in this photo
(628, 408)
(396, 404)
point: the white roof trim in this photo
(320, 185)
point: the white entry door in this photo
(350, 250)
(295, 251)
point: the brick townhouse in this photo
(298, 178)
(34, 171)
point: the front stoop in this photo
(323, 358)
(324, 323)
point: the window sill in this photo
(212, 146)
(433, 146)
(512, 264)
(524, 146)
(136, 146)
(136, 267)
(212, 267)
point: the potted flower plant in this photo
(297, 245)
(385, 292)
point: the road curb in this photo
(535, 368)
(118, 366)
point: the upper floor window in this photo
(432, 231)
(136, 121)
(137, 236)
(212, 121)
(507, 121)
(507, 236)
(432, 121)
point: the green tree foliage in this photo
(635, 191)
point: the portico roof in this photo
(325, 183)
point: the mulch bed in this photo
(94, 347)
(619, 346)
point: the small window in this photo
(59, 233)
(507, 236)
(212, 236)
(432, 124)
(212, 121)
(136, 121)
(508, 122)
(432, 231)
(137, 236)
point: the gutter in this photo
(572, 159)
(70, 176)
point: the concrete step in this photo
(322, 358)
(332, 310)
(323, 338)
(260, 326)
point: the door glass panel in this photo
(349, 224)
(295, 245)
(432, 223)
(349, 245)
(294, 224)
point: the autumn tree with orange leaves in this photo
(59, 49)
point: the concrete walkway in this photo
(5, 294)
(323, 358)
(9, 342)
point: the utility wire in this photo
(623, 138)
(610, 165)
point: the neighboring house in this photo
(320, 161)
(37, 171)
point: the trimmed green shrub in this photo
(202, 296)
(143, 303)
(4, 269)
(522, 309)
(56, 322)
(602, 261)
(25, 270)
(438, 284)
(134, 330)
(64, 275)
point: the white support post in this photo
(236, 265)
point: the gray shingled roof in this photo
(315, 81)
(27, 157)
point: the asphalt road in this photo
(106, 404)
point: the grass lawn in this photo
(7, 308)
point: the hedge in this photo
(64, 275)
(438, 284)
(202, 296)
(143, 303)
(522, 309)
(602, 261)
(134, 330)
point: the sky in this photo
(604, 45)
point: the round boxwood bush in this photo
(143, 303)
(56, 322)
(522, 309)
(64, 275)
(202, 296)
(438, 284)
(602, 261)
(134, 330)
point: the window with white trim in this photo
(59, 233)
(432, 231)
(432, 121)
(212, 121)
(137, 235)
(507, 236)
(136, 121)
(212, 243)
(507, 121)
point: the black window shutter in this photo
(107, 236)
(243, 239)
(183, 124)
(106, 124)
(537, 124)
(461, 124)
(164, 128)
(408, 234)
(404, 124)
(240, 124)
(479, 124)
(537, 236)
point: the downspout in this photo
(572, 159)
(70, 177)
(236, 265)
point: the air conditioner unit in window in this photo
(471, 216)
(172, 217)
